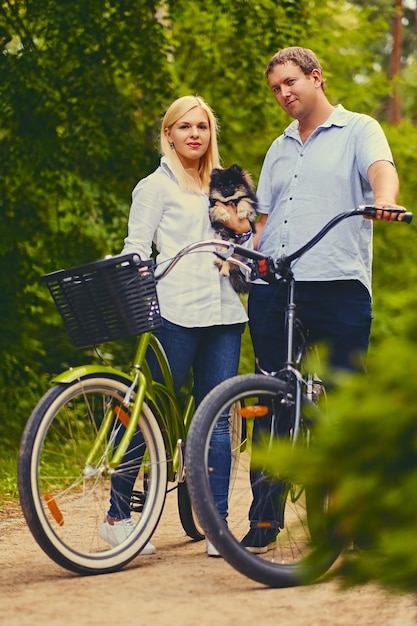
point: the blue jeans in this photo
(213, 354)
(337, 313)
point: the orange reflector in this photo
(54, 508)
(122, 416)
(256, 410)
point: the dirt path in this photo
(178, 585)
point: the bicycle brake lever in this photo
(264, 269)
(225, 254)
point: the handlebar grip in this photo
(370, 211)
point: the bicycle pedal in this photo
(137, 501)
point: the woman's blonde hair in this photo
(208, 161)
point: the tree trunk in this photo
(397, 36)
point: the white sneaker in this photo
(115, 532)
(211, 550)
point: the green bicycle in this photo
(77, 436)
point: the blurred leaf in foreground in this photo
(365, 452)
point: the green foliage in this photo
(365, 453)
(8, 482)
(348, 40)
(247, 358)
(78, 111)
(220, 51)
(395, 245)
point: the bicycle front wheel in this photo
(305, 546)
(64, 498)
(188, 516)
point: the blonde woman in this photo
(203, 318)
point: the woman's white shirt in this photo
(193, 294)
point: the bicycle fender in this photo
(86, 371)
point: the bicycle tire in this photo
(188, 517)
(63, 501)
(295, 559)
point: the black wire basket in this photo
(106, 300)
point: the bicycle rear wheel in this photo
(64, 500)
(188, 518)
(306, 545)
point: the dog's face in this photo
(230, 184)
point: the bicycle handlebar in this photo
(364, 210)
(269, 267)
(266, 267)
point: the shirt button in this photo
(290, 198)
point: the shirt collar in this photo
(339, 117)
(167, 167)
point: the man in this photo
(327, 161)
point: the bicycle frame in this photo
(291, 372)
(290, 364)
(174, 419)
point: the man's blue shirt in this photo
(302, 186)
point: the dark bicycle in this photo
(307, 544)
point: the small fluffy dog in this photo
(232, 186)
